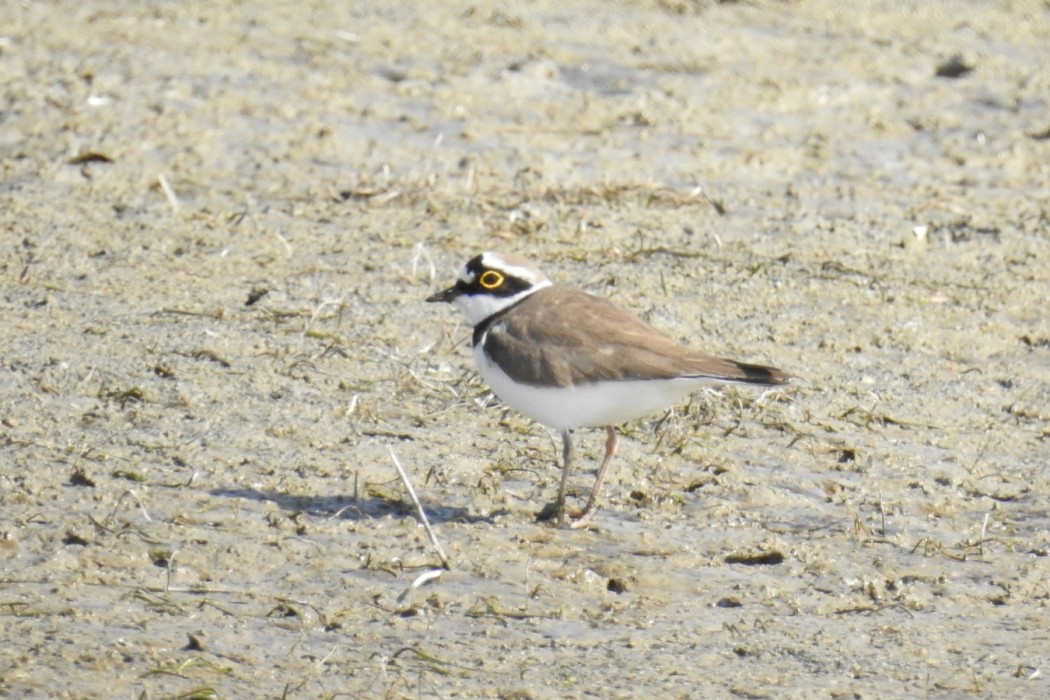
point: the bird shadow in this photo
(351, 508)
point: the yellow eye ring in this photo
(490, 279)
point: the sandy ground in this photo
(219, 224)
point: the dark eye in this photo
(490, 279)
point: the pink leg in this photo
(592, 502)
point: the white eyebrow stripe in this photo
(496, 261)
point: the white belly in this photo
(587, 406)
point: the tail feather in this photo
(760, 374)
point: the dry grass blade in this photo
(419, 509)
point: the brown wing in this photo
(561, 336)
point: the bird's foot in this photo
(553, 513)
(584, 518)
(560, 517)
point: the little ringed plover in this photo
(567, 359)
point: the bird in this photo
(568, 359)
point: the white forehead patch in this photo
(466, 275)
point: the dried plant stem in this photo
(169, 194)
(419, 509)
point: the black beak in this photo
(446, 295)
